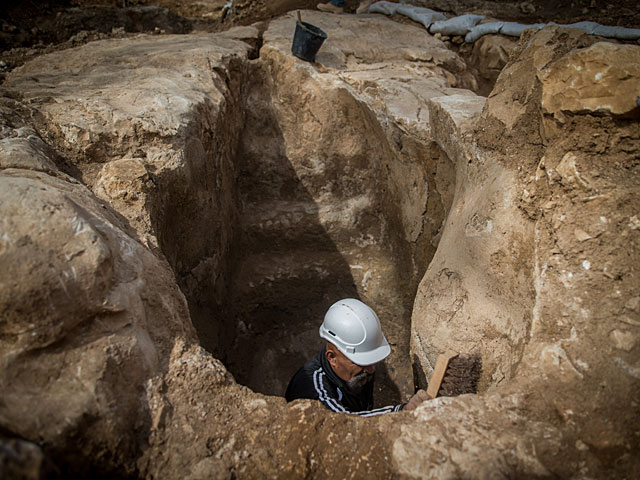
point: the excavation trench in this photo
(273, 188)
(308, 184)
(322, 202)
(286, 187)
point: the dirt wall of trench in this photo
(341, 196)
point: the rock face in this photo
(156, 183)
(587, 81)
(489, 56)
(557, 315)
(80, 286)
(155, 118)
(80, 305)
(583, 197)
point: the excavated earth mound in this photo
(178, 211)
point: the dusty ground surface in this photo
(29, 29)
(141, 175)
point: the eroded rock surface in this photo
(488, 57)
(539, 284)
(140, 129)
(80, 305)
(144, 170)
(588, 81)
(82, 286)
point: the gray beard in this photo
(357, 383)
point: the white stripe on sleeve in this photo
(322, 393)
(336, 406)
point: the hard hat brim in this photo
(371, 357)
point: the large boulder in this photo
(88, 316)
(138, 129)
(587, 80)
(535, 266)
(90, 306)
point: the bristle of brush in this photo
(462, 376)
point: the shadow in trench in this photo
(262, 242)
(286, 270)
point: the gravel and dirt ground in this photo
(32, 28)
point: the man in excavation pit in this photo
(341, 376)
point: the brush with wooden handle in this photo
(454, 375)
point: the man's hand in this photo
(416, 400)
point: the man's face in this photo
(355, 375)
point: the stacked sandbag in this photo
(421, 15)
(456, 25)
(469, 25)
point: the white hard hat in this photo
(354, 328)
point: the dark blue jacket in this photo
(317, 381)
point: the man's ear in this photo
(331, 356)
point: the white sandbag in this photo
(514, 29)
(428, 20)
(421, 15)
(456, 25)
(411, 10)
(388, 8)
(593, 28)
(483, 29)
(586, 27)
(467, 25)
(621, 33)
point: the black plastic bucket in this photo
(307, 41)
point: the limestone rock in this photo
(559, 187)
(461, 451)
(26, 151)
(208, 425)
(100, 112)
(511, 105)
(79, 298)
(452, 121)
(368, 45)
(125, 184)
(468, 286)
(154, 98)
(603, 78)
